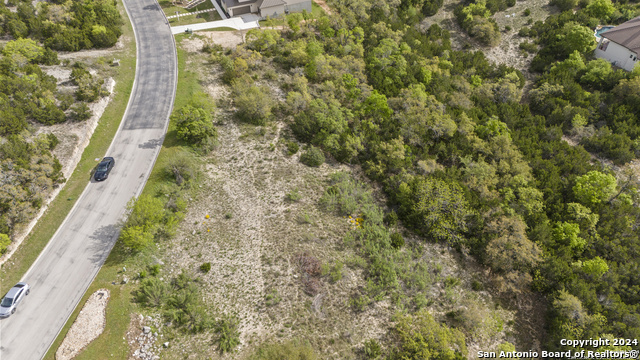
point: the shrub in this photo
(527, 12)
(477, 285)
(304, 218)
(80, 112)
(272, 298)
(253, 103)
(154, 269)
(397, 241)
(5, 241)
(312, 157)
(308, 264)
(152, 292)
(528, 47)
(312, 286)
(391, 218)
(293, 196)
(419, 336)
(334, 272)
(372, 349)
(194, 125)
(292, 147)
(136, 237)
(359, 302)
(228, 334)
(205, 268)
(182, 167)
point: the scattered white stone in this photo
(166, 345)
(146, 329)
(88, 326)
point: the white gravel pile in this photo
(87, 327)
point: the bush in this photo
(205, 268)
(528, 47)
(228, 334)
(194, 125)
(372, 349)
(292, 147)
(253, 103)
(5, 241)
(154, 270)
(293, 196)
(391, 218)
(527, 12)
(80, 112)
(397, 241)
(419, 336)
(272, 298)
(312, 157)
(153, 292)
(359, 302)
(334, 272)
(308, 264)
(136, 237)
(182, 167)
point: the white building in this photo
(264, 8)
(621, 45)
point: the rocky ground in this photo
(88, 326)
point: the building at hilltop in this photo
(621, 44)
(264, 8)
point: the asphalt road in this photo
(73, 257)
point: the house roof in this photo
(270, 3)
(235, 3)
(626, 34)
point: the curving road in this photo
(74, 255)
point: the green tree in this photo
(511, 253)
(595, 267)
(22, 50)
(312, 157)
(194, 125)
(136, 237)
(146, 212)
(419, 336)
(80, 112)
(441, 209)
(253, 103)
(574, 37)
(567, 234)
(594, 187)
(600, 9)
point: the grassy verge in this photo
(317, 11)
(35, 242)
(110, 344)
(170, 10)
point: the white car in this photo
(13, 298)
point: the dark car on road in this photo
(104, 168)
(12, 299)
